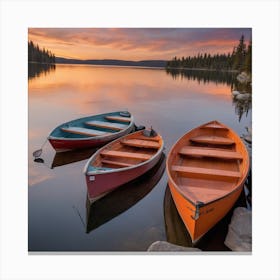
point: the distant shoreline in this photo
(113, 62)
(151, 64)
(114, 66)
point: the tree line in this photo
(35, 54)
(240, 59)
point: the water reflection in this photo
(37, 69)
(204, 76)
(176, 232)
(171, 106)
(243, 104)
(120, 200)
(68, 157)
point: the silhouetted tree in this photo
(248, 59)
(240, 59)
(35, 54)
(239, 55)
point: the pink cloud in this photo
(136, 43)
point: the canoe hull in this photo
(62, 140)
(208, 215)
(207, 168)
(122, 161)
(100, 184)
(63, 145)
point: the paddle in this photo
(37, 153)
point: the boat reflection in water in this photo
(124, 197)
(63, 158)
(177, 233)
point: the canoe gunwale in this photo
(90, 173)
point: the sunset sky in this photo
(136, 43)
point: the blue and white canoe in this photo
(91, 131)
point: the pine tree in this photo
(35, 54)
(239, 56)
(248, 59)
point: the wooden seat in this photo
(198, 172)
(83, 131)
(141, 143)
(210, 152)
(109, 125)
(154, 138)
(204, 139)
(119, 119)
(214, 125)
(128, 155)
(117, 163)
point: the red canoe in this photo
(92, 131)
(122, 161)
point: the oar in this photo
(78, 212)
(37, 153)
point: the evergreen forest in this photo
(239, 60)
(35, 54)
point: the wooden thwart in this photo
(208, 152)
(113, 126)
(128, 155)
(143, 137)
(117, 163)
(212, 140)
(83, 131)
(119, 119)
(206, 172)
(141, 143)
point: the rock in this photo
(235, 92)
(243, 78)
(239, 237)
(243, 96)
(163, 246)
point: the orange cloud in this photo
(136, 43)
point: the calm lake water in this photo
(136, 215)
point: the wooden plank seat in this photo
(143, 137)
(128, 155)
(210, 152)
(217, 140)
(214, 125)
(206, 172)
(117, 163)
(118, 119)
(109, 125)
(141, 143)
(84, 131)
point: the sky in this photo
(136, 43)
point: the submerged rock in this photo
(243, 96)
(235, 93)
(163, 246)
(239, 237)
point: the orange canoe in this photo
(207, 168)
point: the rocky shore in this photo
(238, 239)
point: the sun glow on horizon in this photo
(136, 43)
